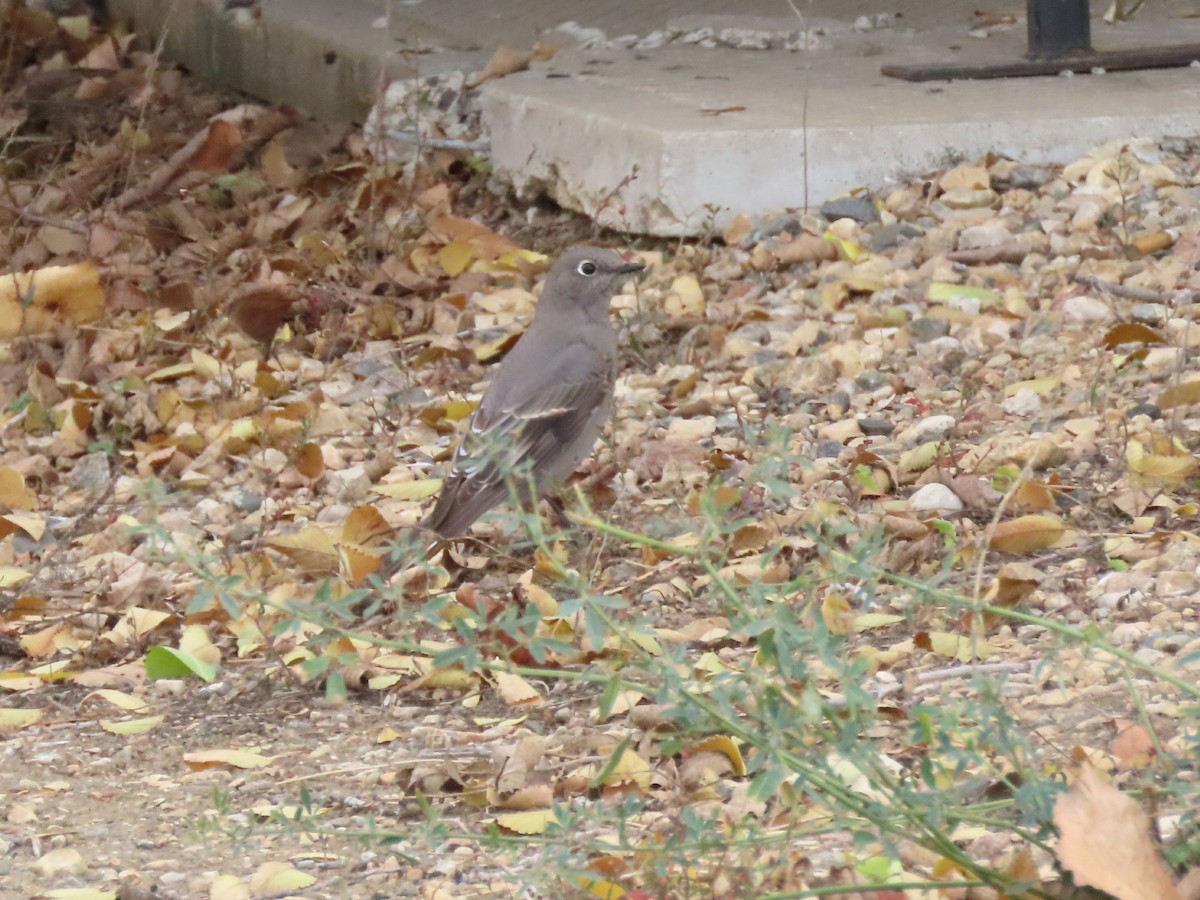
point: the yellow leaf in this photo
(18, 681)
(541, 598)
(13, 492)
(364, 523)
(312, 548)
(532, 821)
(720, 743)
(959, 646)
(940, 291)
(685, 298)
(146, 620)
(387, 735)
(457, 410)
(598, 887)
(849, 249)
(39, 301)
(14, 718)
(1026, 534)
(195, 641)
(1184, 394)
(278, 878)
(836, 613)
(630, 769)
(515, 690)
(168, 373)
(119, 699)
(11, 575)
(455, 257)
(1159, 469)
(206, 365)
(229, 887)
(514, 258)
(131, 726)
(32, 525)
(1039, 386)
(238, 759)
(358, 562)
(868, 621)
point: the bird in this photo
(541, 414)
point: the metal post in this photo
(1058, 28)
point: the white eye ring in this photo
(587, 268)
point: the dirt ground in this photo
(249, 376)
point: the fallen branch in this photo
(1129, 292)
(997, 668)
(34, 219)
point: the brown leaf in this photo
(259, 309)
(1130, 333)
(1104, 840)
(1184, 394)
(487, 243)
(505, 61)
(309, 461)
(1026, 534)
(216, 153)
(1133, 746)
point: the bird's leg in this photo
(558, 511)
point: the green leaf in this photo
(167, 662)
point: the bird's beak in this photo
(630, 267)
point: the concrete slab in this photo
(709, 132)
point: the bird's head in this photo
(588, 275)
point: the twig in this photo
(1129, 292)
(936, 675)
(34, 219)
(435, 143)
(1011, 252)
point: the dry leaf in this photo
(1026, 534)
(1104, 841)
(42, 300)
(259, 309)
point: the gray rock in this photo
(788, 222)
(927, 329)
(245, 501)
(91, 471)
(350, 485)
(942, 351)
(931, 428)
(1149, 313)
(934, 498)
(827, 450)
(1144, 409)
(1024, 402)
(893, 235)
(860, 209)
(871, 380)
(991, 234)
(875, 426)
(1082, 308)
(1030, 178)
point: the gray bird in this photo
(541, 414)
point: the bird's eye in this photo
(587, 267)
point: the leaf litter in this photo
(247, 309)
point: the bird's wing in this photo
(535, 425)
